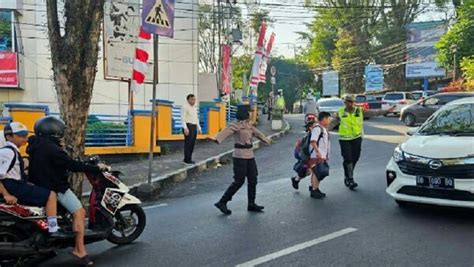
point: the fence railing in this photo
(231, 113)
(176, 122)
(108, 130)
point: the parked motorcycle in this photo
(114, 215)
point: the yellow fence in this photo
(141, 120)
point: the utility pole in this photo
(455, 51)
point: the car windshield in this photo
(360, 99)
(453, 120)
(417, 95)
(394, 97)
(331, 103)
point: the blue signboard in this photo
(373, 78)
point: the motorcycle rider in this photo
(311, 107)
(49, 167)
(14, 184)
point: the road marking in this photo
(155, 206)
(296, 248)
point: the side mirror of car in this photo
(412, 131)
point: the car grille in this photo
(437, 193)
(454, 171)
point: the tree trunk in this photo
(74, 58)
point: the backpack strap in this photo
(12, 164)
(321, 135)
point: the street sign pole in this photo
(153, 108)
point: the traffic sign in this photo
(273, 70)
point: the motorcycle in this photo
(114, 215)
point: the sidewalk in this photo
(169, 169)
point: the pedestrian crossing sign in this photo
(158, 17)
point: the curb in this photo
(145, 191)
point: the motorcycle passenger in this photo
(14, 184)
(49, 167)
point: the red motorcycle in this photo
(114, 215)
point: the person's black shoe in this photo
(316, 193)
(61, 234)
(223, 208)
(347, 182)
(295, 183)
(322, 194)
(255, 208)
(189, 162)
(353, 185)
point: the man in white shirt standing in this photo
(191, 127)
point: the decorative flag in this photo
(255, 75)
(266, 58)
(141, 58)
(158, 17)
(226, 72)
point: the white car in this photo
(436, 164)
(399, 100)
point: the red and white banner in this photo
(226, 71)
(141, 58)
(255, 75)
(266, 58)
(8, 69)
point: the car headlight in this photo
(398, 154)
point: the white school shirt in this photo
(324, 144)
(6, 158)
(190, 114)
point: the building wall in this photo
(178, 64)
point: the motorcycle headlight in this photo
(398, 154)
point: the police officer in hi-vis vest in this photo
(351, 128)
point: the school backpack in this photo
(305, 152)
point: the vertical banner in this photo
(8, 69)
(226, 71)
(140, 61)
(121, 28)
(158, 17)
(422, 37)
(255, 75)
(266, 58)
(330, 83)
(373, 78)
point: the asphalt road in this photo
(361, 228)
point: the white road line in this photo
(296, 248)
(155, 206)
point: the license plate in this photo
(435, 182)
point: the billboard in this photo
(330, 83)
(8, 69)
(373, 78)
(121, 28)
(422, 37)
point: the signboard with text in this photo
(373, 78)
(422, 37)
(8, 69)
(330, 83)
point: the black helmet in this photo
(50, 127)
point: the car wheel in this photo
(409, 120)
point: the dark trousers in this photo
(350, 150)
(243, 168)
(270, 110)
(189, 142)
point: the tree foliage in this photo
(460, 37)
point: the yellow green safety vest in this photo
(280, 102)
(351, 124)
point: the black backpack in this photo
(305, 152)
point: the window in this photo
(360, 99)
(6, 31)
(331, 103)
(453, 119)
(394, 97)
(410, 97)
(432, 101)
